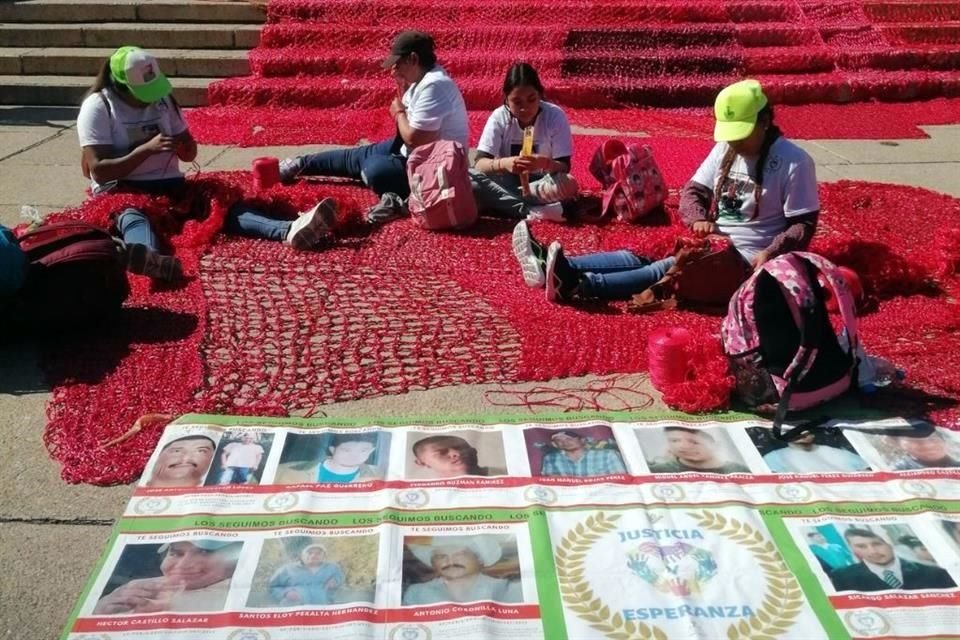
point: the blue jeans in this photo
(235, 475)
(617, 275)
(242, 220)
(380, 166)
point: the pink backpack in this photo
(633, 186)
(783, 348)
(441, 196)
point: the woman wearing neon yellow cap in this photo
(756, 187)
(133, 136)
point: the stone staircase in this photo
(52, 49)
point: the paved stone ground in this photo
(52, 533)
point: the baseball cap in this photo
(408, 42)
(206, 545)
(139, 71)
(736, 110)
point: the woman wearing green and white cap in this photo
(133, 136)
(756, 187)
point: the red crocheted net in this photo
(261, 329)
(604, 59)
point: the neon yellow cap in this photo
(736, 110)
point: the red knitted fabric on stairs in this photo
(261, 329)
(316, 75)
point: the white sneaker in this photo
(555, 187)
(552, 212)
(313, 226)
(530, 254)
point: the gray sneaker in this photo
(390, 207)
(290, 169)
(144, 261)
(313, 226)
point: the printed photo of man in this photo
(952, 530)
(571, 456)
(691, 450)
(930, 452)
(315, 571)
(459, 566)
(335, 457)
(811, 452)
(452, 455)
(194, 576)
(879, 568)
(240, 458)
(183, 462)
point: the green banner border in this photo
(88, 587)
(545, 572)
(487, 418)
(829, 618)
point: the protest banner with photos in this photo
(647, 526)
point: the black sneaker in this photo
(562, 279)
(144, 261)
(531, 255)
(391, 206)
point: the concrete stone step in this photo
(158, 35)
(215, 11)
(69, 90)
(178, 63)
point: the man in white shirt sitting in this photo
(428, 107)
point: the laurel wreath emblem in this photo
(575, 589)
(780, 607)
(784, 599)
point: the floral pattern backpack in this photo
(633, 186)
(784, 350)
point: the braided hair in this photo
(770, 136)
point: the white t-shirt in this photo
(124, 127)
(435, 104)
(242, 455)
(819, 459)
(503, 138)
(789, 189)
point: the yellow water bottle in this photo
(526, 149)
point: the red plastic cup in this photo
(266, 172)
